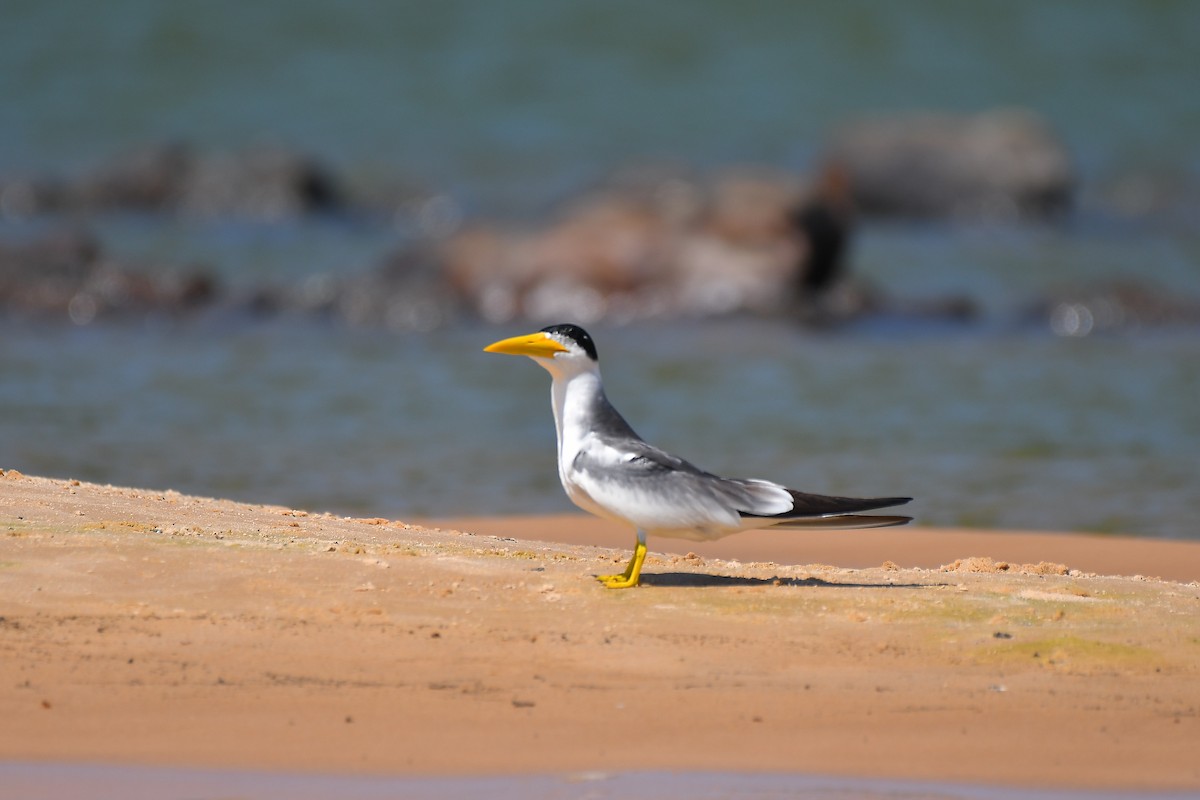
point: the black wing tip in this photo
(893, 501)
(872, 503)
(817, 504)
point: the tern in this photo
(610, 471)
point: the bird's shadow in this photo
(703, 579)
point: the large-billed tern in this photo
(609, 471)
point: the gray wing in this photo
(656, 490)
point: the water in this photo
(1022, 430)
(59, 781)
(513, 104)
(512, 108)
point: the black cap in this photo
(577, 335)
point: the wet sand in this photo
(148, 627)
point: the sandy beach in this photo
(153, 628)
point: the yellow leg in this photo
(633, 571)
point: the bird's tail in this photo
(842, 522)
(809, 510)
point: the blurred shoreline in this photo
(647, 243)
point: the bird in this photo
(608, 470)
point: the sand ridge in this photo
(141, 626)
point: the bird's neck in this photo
(574, 398)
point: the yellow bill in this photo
(538, 345)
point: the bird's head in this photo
(561, 349)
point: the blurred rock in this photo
(1003, 164)
(264, 183)
(741, 243)
(67, 276)
(1114, 307)
(149, 179)
(407, 291)
(267, 183)
(22, 197)
(1160, 196)
(671, 249)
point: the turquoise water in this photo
(988, 429)
(512, 108)
(512, 104)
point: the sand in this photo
(150, 627)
